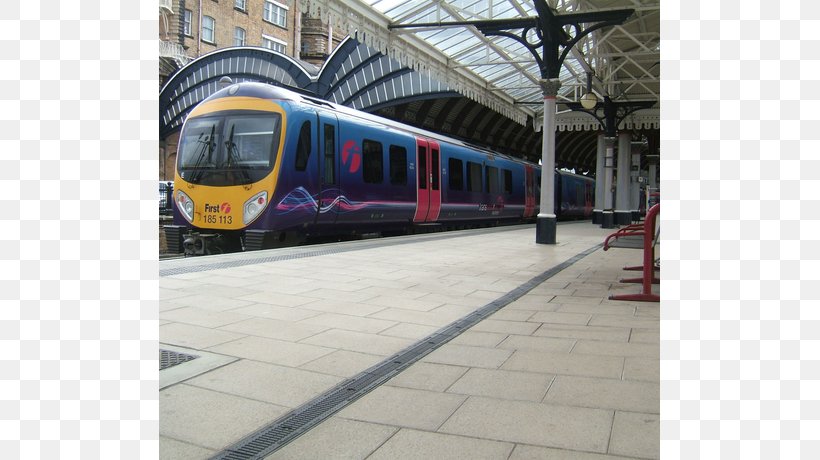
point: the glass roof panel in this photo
(510, 68)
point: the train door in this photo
(428, 181)
(329, 188)
(529, 194)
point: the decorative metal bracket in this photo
(610, 114)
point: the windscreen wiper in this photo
(233, 156)
(207, 146)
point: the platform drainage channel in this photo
(168, 358)
(292, 425)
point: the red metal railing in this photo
(648, 278)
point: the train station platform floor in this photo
(551, 368)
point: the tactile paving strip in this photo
(168, 358)
(290, 426)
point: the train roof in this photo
(267, 91)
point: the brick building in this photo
(191, 28)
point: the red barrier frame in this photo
(648, 268)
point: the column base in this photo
(607, 219)
(596, 216)
(623, 217)
(636, 215)
(545, 229)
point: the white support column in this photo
(599, 180)
(623, 214)
(635, 187)
(607, 216)
(546, 221)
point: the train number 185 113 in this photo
(215, 219)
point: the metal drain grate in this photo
(292, 425)
(168, 358)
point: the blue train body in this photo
(268, 166)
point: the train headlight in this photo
(254, 207)
(185, 205)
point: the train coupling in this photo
(200, 244)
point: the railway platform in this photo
(469, 344)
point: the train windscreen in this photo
(228, 150)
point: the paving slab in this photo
(197, 337)
(272, 351)
(343, 363)
(428, 376)
(336, 438)
(538, 424)
(359, 342)
(500, 384)
(565, 364)
(523, 342)
(202, 317)
(605, 394)
(274, 329)
(413, 444)
(636, 435)
(270, 383)
(210, 419)
(179, 450)
(525, 452)
(611, 334)
(404, 407)
(462, 355)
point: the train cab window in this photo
(492, 179)
(398, 165)
(456, 173)
(373, 161)
(473, 177)
(508, 184)
(303, 147)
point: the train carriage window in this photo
(373, 160)
(492, 179)
(422, 174)
(508, 183)
(303, 147)
(434, 168)
(398, 165)
(456, 174)
(330, 154)
(473, 177)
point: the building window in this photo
(208, 26)
(186, 22)
(456, 172)
(275, 13)
(274, 44)
(239, 37)
(398, 165)
(373, 160)
(239, 5)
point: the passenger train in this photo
(260, 166)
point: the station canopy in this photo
(623, 60)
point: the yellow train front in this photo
(228, 162)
